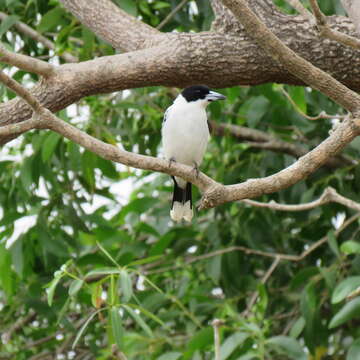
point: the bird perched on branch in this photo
(185, 134)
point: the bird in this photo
(185, 134)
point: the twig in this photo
(20, 90)
(322, 115)
(264, 279)
(27, 30)
(284, 257)
(327, 32)
(297, 5)
(216, 324)
(19, 324)
(329, 195)
(171, 14)
(26, 63)
(261, 140)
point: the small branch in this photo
(295, 64)
(329, 195)
(264, 279)
(31, 33)
(20, 91)
(216, 324)
(171, 14)
(26, 63)
(19, 324)
(327, 32)
(261, 140)
(322, 115)
(248, 251)
(297, 5)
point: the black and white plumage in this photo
(185, 134)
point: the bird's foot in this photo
(196, 169)
(171, 160)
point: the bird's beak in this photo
(212, 96)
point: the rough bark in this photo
(352, 7)
(223, 58)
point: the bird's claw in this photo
(171, 160)
(196, 169)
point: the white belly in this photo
(185, 135)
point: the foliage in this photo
(100, 266)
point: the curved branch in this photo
(327, 32)
(306, 165)
(295, 64)
(261, 140)
(26, 63)
(105, 19)
(329, 195)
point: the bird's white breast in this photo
(185, 132)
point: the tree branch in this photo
(297, 5)
(108, 21)
(352, 7)
(31, 33)
(26, 63)
(329, 195)
(295, 64)
(261, 140)
(327, 32)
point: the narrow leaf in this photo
(138, 320)
(116, 326)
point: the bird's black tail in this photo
(181, 206)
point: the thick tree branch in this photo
(295, 64)
(31, 33)
(214, 193)
(105, 19)
(26, 63)
(327, 32)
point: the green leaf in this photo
(116, 326)
(288, 346)
(51, 287)
(231, 343)
(346, 313)
(6, 279)
(344, 288)
(350, 247)
(199, 341)
(354, 351)
(75, 286)
(213, 268)
(128, 5)
(125, 285)
(88, 167)
(51, 19)
(170, 356)
(256, 108)
(7, 24)
(49, 146)
(138, 320)
(297, 328)
(81, 331)
(297, 94)
(333, 244)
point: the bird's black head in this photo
(201, 92)
(195, 92)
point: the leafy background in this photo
(90, 262)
